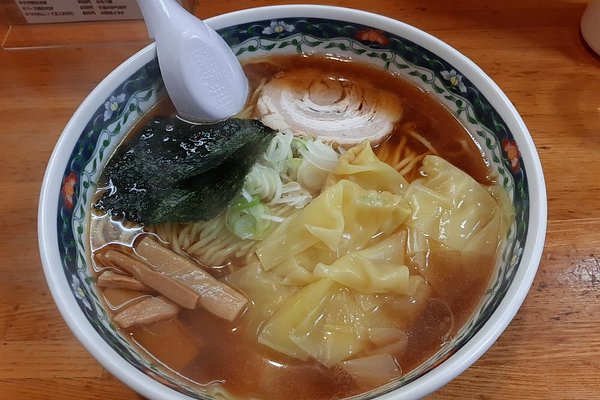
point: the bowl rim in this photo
(429, 382)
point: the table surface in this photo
(532, 49)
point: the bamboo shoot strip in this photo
(168, 287)
(148, 311)
(215, 296)
(112, 279)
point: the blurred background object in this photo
(39, 24)
(590, 25)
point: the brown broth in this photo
(208, 350)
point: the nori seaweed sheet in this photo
(181, 172)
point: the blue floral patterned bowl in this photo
(129, 91)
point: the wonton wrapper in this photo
(376, 269)
(361, 166)
(333, 331)
(343, 218)
(337, 269)
(297, 270)
(452, 208)
(323, 320)
(328, 252)
(276, 333)
(371, 371)
(264, 289)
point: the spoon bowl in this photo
(202, 75)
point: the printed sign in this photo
(41, 11)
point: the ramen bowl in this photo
(133, 88)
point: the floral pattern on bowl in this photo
(134, 97)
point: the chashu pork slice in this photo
(335, 109)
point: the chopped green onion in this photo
(249, 220)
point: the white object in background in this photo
(203, 77)
(590, 25)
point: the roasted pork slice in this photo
(335, 109)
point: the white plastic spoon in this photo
(203, 77)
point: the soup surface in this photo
(225, 356)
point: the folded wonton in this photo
(361, 166)
(451, 207)
(344, 218)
